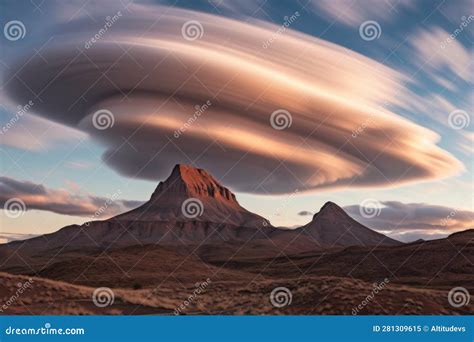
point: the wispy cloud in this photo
(305, 213)
(465, 143)
(354, 12)
(435, 51)
(8, 237)
(423, 218)
(60, 201)
(79, 164)
(32, 133)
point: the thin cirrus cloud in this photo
(465, 143)
(436, 50)
(33, 133)
(446, 62)
(396, 217)
(353, 13)
(60, 201)
(8, 237)
(154, 88)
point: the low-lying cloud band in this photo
(25, 195)
(397, 217)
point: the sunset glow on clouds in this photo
(61, 201)
(345, 132)
(414, 218)
(329, 93)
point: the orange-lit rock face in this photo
(192, 194)
(191, 182)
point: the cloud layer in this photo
(8, 237)
(402, 217)
(60, 201)
(353, 13)
(154, 78)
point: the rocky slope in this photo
(190, 208)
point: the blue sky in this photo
(428, 72)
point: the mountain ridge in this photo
(214, 216)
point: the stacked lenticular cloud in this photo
(149, 72)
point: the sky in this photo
(288, 103)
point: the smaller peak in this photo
(330, 204)
(329, 208)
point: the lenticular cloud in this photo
(180, 86)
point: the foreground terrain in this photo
(219, 258)
(157, 280)
(309, 296)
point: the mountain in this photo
(193, 231)
(155, 280)
(192, 208)
(189, 207)
(191, 194)
(332, 226)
